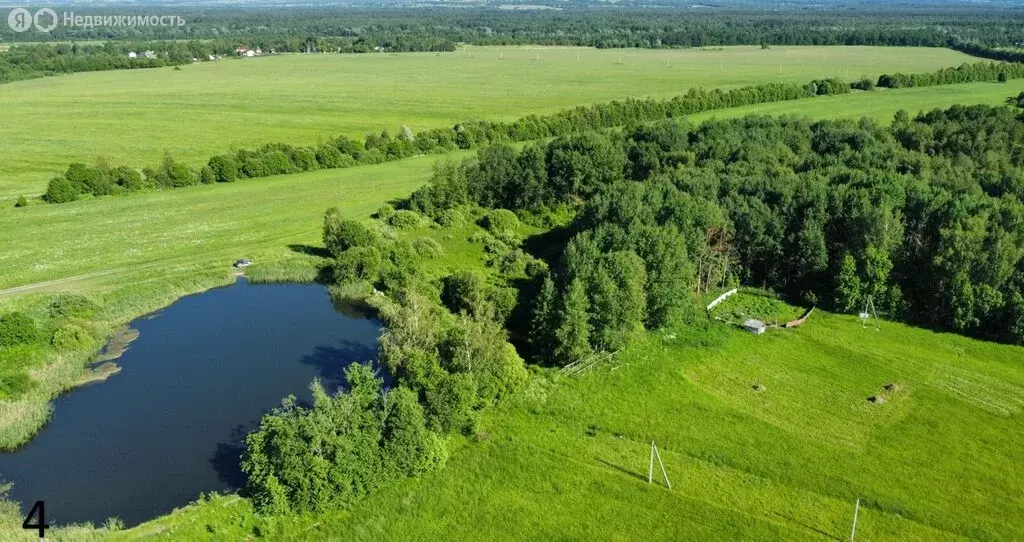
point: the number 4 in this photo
(41, 524)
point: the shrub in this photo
(427, 247)
(330, 157)
(385, 211)
(450, 404)
(127, 178)
(61, 190)
(404, 219)
(451, 218)
(304, 158)
(501, 220)
(207, 176)
(224, 167)
(17, 328)
(70, 337)
(15, 384)
(73, 306)
(511, 262)
(503, 299)
(276, 162)
(371, 156)
(464, 291)
(22, 202)
(482, 237)
(344, 447)
(341, 234)
(863, 84)
(359, 263)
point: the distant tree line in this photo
(280, 158)
(966, 73)
(667, 26)
(32, 61)
(923, 216)
(985, 32)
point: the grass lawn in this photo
(134, 116)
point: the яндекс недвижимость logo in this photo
(46, 19)
(21, 19)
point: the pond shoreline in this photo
(214, 364)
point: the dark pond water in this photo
(170, 424)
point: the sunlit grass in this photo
(134, 116)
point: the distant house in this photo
(756, 327)
(131, 54)
(149, 54)
(240, 50)
(250, 53)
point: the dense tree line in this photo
(924, 216)
(573, 23)
(966, 73)
(279, 158)
(31, 61)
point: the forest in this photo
(923, 216)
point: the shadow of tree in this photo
(320, 252)
(227, 457)
(330, 363)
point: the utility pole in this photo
(650, 472)
(856, 509)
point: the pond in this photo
(172, 422)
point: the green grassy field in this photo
(810, 439)
(115, 238)
(135, 116)
(568, 458)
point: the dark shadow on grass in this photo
(623, 470)
(548, 245)
(811, 527)
(320, 252)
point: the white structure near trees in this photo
(756, 327)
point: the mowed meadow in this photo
(135, 117)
